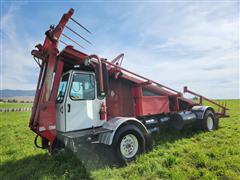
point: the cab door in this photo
(60, 103)
(82, 104)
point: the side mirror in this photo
(105, 75)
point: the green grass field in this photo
(176, 155)
(15, 105)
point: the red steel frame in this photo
(201, 98)
(43, 117)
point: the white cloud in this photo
(18, 69)
(194, 45)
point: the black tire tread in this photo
(120, 134)
(215, 120)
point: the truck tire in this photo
(210, 122)
(128, 142)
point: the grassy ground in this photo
(21, 160)
(15, 105)
(176, 155)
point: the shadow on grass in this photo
(79, 164)
(45, 166)
(60, 165)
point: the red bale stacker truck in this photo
(90, 99)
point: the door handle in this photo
(69, 108)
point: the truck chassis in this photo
(86, 98)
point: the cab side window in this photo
(82, 87)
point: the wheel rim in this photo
(129, 146)
(210, 123)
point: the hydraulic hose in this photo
(35, 142)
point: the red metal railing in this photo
(223, 107)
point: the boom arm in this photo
(43, 120)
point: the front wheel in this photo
(128, 142)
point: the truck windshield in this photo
(62, 88)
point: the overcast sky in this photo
(177, 44)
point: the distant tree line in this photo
(195, 98)
(15, 101)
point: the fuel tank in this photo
(180, 120)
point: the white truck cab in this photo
(77, 102)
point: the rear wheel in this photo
(128, 142)
(210, 122)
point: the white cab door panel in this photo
(82, 105)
